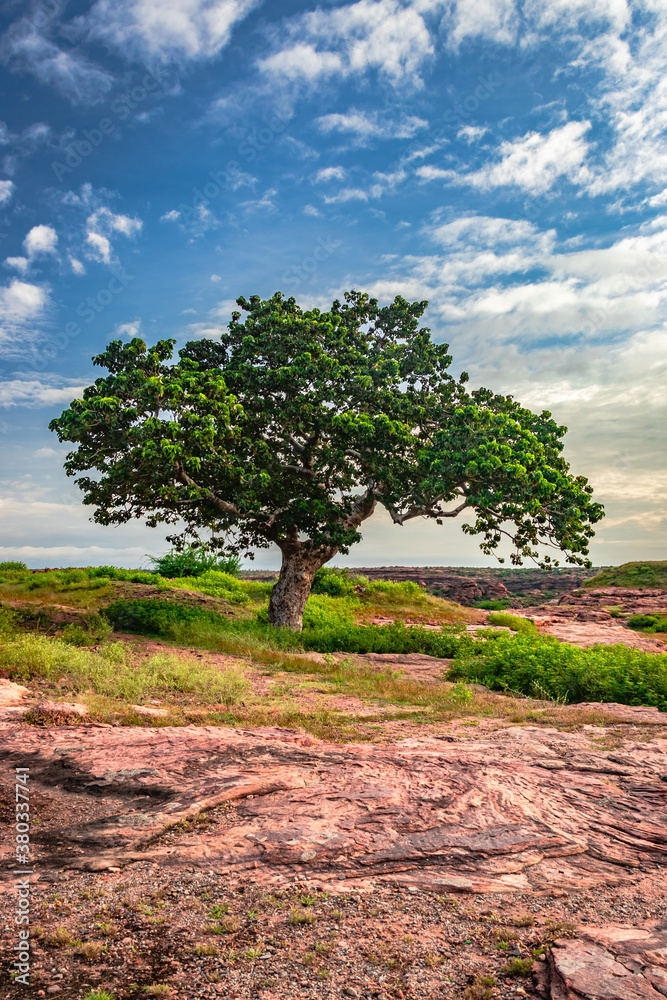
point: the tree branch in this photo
(427, 510)
(182, 477)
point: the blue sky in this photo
(505, 160)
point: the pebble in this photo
(350, 991)
(53, 989)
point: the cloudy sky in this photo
(504, 159)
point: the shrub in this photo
(95, 628)
(193, 560)
(334, 582)
(8, 621)
(541, 666)
(518, 967)
(148, 616)
(13, 567)
(515, 622)
(642, 621)
(498, 605)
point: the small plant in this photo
(228, 925)
(108, 928)
(92, 949)
(60, 937)
(205, 950)
(481, 988)
(518, 967)
(156, 990)
(301, 917)
(525, 920)
(98, 995)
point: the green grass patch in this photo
(632, 574)
(542, 667)
(113, 672)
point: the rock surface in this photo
(520, 809)
(611, 962)
(12, 694)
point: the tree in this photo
(295, 425)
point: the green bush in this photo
(149, 616)
(13, 567)
(8, 621)
(515, 622)
(193, 560)
(641, 622)
(542, 667)
(334, 582)
(93, 628)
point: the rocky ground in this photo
(475, 858)
(212, 861)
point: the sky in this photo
(504, 159)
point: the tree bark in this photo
(300, 563)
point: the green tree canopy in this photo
(295, 424)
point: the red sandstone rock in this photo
(610, 962)
(524, 808)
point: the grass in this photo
(631, 574)
(216, 611)
(111, 671)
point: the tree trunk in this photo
(288, 598)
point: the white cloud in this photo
(64, 70)
(534, 162)
(129, 330)
(471, 132)
(40, 239)
(312, 210)
(102, 223)
(170, 216)
(330, 174)
(388, 36)
(22, 301)
(365, 126)
(34, 392)
(104, 219)
(265, 202)
(169, 31)
(496, 20)
(6, 191)
(100, 247)
(18, 263)
(77, 266)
